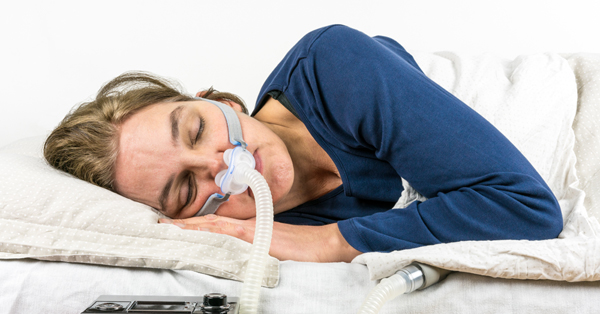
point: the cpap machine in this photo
(240, 175)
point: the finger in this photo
(216, 224)
(192, 220)
(222, 227)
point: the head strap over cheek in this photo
(211, 205)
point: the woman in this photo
(338, 124)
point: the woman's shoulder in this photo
(323, 48)
(330, 36)
(337, 35)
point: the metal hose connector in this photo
(406, 280)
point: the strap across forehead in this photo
(233, 123)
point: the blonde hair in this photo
(85, 143)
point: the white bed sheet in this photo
(30, 286)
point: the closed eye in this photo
(190, 191)
(199, 132)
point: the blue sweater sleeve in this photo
(372, 96)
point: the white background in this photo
(56, 54)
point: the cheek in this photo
(280, 179)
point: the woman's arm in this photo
(371, 98)
(289, 242)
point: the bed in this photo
(64, 242)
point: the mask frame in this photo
(234, 128)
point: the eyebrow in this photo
(174, 118)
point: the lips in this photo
(257, 167)
(258, 161)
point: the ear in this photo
(237, 107)
(201, 93)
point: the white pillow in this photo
(587, 127)
(46, 214)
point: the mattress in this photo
(31, 286)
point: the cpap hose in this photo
(406, 280)
(239, 175)
(242, 175)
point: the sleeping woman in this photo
(337, 125)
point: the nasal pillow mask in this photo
(233, 157)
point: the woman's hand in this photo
(289, 242)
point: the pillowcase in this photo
(587, 127)
(46, 214)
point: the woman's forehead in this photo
(145, 151)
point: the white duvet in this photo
(533, 101)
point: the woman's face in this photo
(170, 153)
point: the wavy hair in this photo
(85, 143)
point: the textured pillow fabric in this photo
(587, 127)
(48, 215)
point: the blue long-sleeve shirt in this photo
(370, 107)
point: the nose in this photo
(205, 165)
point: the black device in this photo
(211, 303)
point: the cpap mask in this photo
(234, 158)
